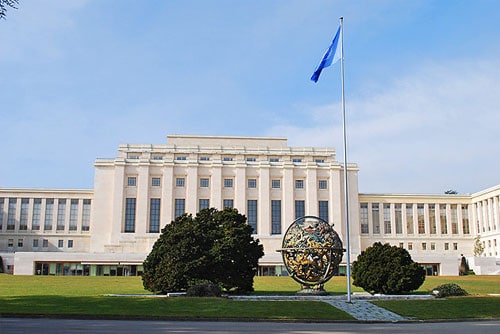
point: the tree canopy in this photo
(387, 269)
(7, 3)
(214, 246)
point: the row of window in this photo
(37, 211)
(431, 246)
(430, 218)
(134, 156)
(79, 269)
(180, 182)
(251, 212)
(36, 243)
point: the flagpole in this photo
(346, 183)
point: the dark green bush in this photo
(449, 290)
(215, 246)
(204, 290)
(387, 269)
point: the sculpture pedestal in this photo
(313, 291)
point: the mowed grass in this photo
(84, 296)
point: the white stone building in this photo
(110, 230)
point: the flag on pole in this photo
(332, 55)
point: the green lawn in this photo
(70, 296)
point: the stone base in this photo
(312, 292)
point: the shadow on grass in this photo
(169, 308)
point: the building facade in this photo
(110, 230)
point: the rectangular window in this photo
(61, 214)
(363, 217)
(157, 157)
(130, 205)
(409, 218)
(465, 220)
(228, 203)
(35, 220)
(299, 184)
(424, 246)
(432, 218)
(155, 182)
(410, 246)
(442, 219)
(10, 243)
(252, 214)
(387, 219)
(300, 209)
(446, 246)
(375, 218)
(227, 159)
(204, 158)
(86, 215)
(11, 214)
(455, 246)
(180, 207)
(276, 217)
(73, 214)
(49, 214)
(203, 204)
(181, 158)
(276, 184)
(132, 181)
(35, 243)
(319, 161)
(274, 159)
(228, 183)
(179, 182)
(420, 219)
(60, 243)
(398, 215)
(296, 160)
(133, 155)
(23, 220)
(251, 159)
(45, 243)
(154, 215)
(20, 243)
(322, 184)
(454, 219)
(433, 246)
(323, 210)
(70, 243)
(204, 182)
(252, 183)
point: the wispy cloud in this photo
(421, 133)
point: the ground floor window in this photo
(79, 269)
(431, 269)
(278, 270)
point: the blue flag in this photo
(332, 55)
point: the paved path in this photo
(359, 308)
(365, 311)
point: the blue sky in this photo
(80, 77)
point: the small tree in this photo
(478, 246)
(387, 269)
(215, 246)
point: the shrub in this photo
(449, 290)
(215, 246)
(204, 290)
(387, 269)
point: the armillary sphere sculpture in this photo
(312, 252)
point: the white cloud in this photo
(428, 132)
